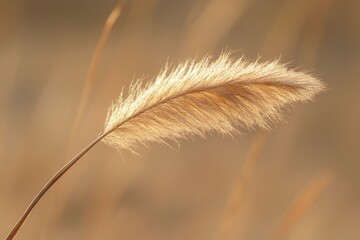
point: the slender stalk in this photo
(49, 184)
(110, 21)
(84, 97)
(53, 213)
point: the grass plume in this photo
(192, 99)
(197, 97)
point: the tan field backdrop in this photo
(300, 181)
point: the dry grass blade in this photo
(195, 98)
(292, 18)
(238, 192)
(212, 23)
(109, 23)
(302, 204)
(205, 96)
(314, 32)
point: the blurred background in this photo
(300, 181)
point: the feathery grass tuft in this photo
(194, 98)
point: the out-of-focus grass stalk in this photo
(302, 204)
(212, 24)
(232, 210)
(109, 23)
(99, 210)
(314, 33)
(286, 28)
(238, 192)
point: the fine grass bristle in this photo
(197, 97)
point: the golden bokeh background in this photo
(182, 193)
